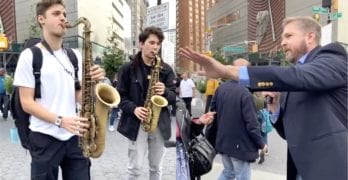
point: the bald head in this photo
(240, 62)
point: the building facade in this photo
(191, 29)
(112, 18)
(240, 26)
(7, 14)
(138, 14)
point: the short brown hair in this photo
(151, 30)
(42, 6)
(307, 24)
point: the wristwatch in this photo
(58, 121)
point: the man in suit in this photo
(312, 112)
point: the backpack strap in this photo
(74, 62)
(37, 64)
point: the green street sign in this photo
(318, 9)
(235, 49)
(335, 16)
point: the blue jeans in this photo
(114, 115)
(235, 169)
(182, 168)
(264, 138)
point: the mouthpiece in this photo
(68, 25)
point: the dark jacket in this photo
(235, 130)
(131, 88)
(313, 111)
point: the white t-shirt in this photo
(186, 88)
(57, 87)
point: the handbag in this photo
(201, 155)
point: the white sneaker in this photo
(111, 129)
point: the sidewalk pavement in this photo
(112, 165)
(255, 174)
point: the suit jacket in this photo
(313, 114)
(132, 91)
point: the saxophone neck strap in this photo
(47, 46)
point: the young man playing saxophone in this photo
(54, 124)
(133, 86)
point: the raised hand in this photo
(212, 68)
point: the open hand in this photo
(212, 68)
(206, 118)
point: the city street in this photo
(112, 165)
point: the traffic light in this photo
(208, 53)
(254, 48)
(3, 42)
(334, 5)
(316, 16)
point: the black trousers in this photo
(4, 104)
(207, 104)
(48, 154)
(188, 101)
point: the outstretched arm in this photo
(212, 67)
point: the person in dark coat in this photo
(311, 113)
(133, 83)
(235, 132)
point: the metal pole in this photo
(160, 50)
(270, 15)
(329, 15)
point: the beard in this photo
(294, 55)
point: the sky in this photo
(172, 11)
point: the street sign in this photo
(235, 49)
(318, 9)
(335, 15)
(158, 16)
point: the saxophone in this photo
(96, 100)
(153, 103)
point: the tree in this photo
(219, 57)
(113, 57)
(34, 28)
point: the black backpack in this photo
(20, 117)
